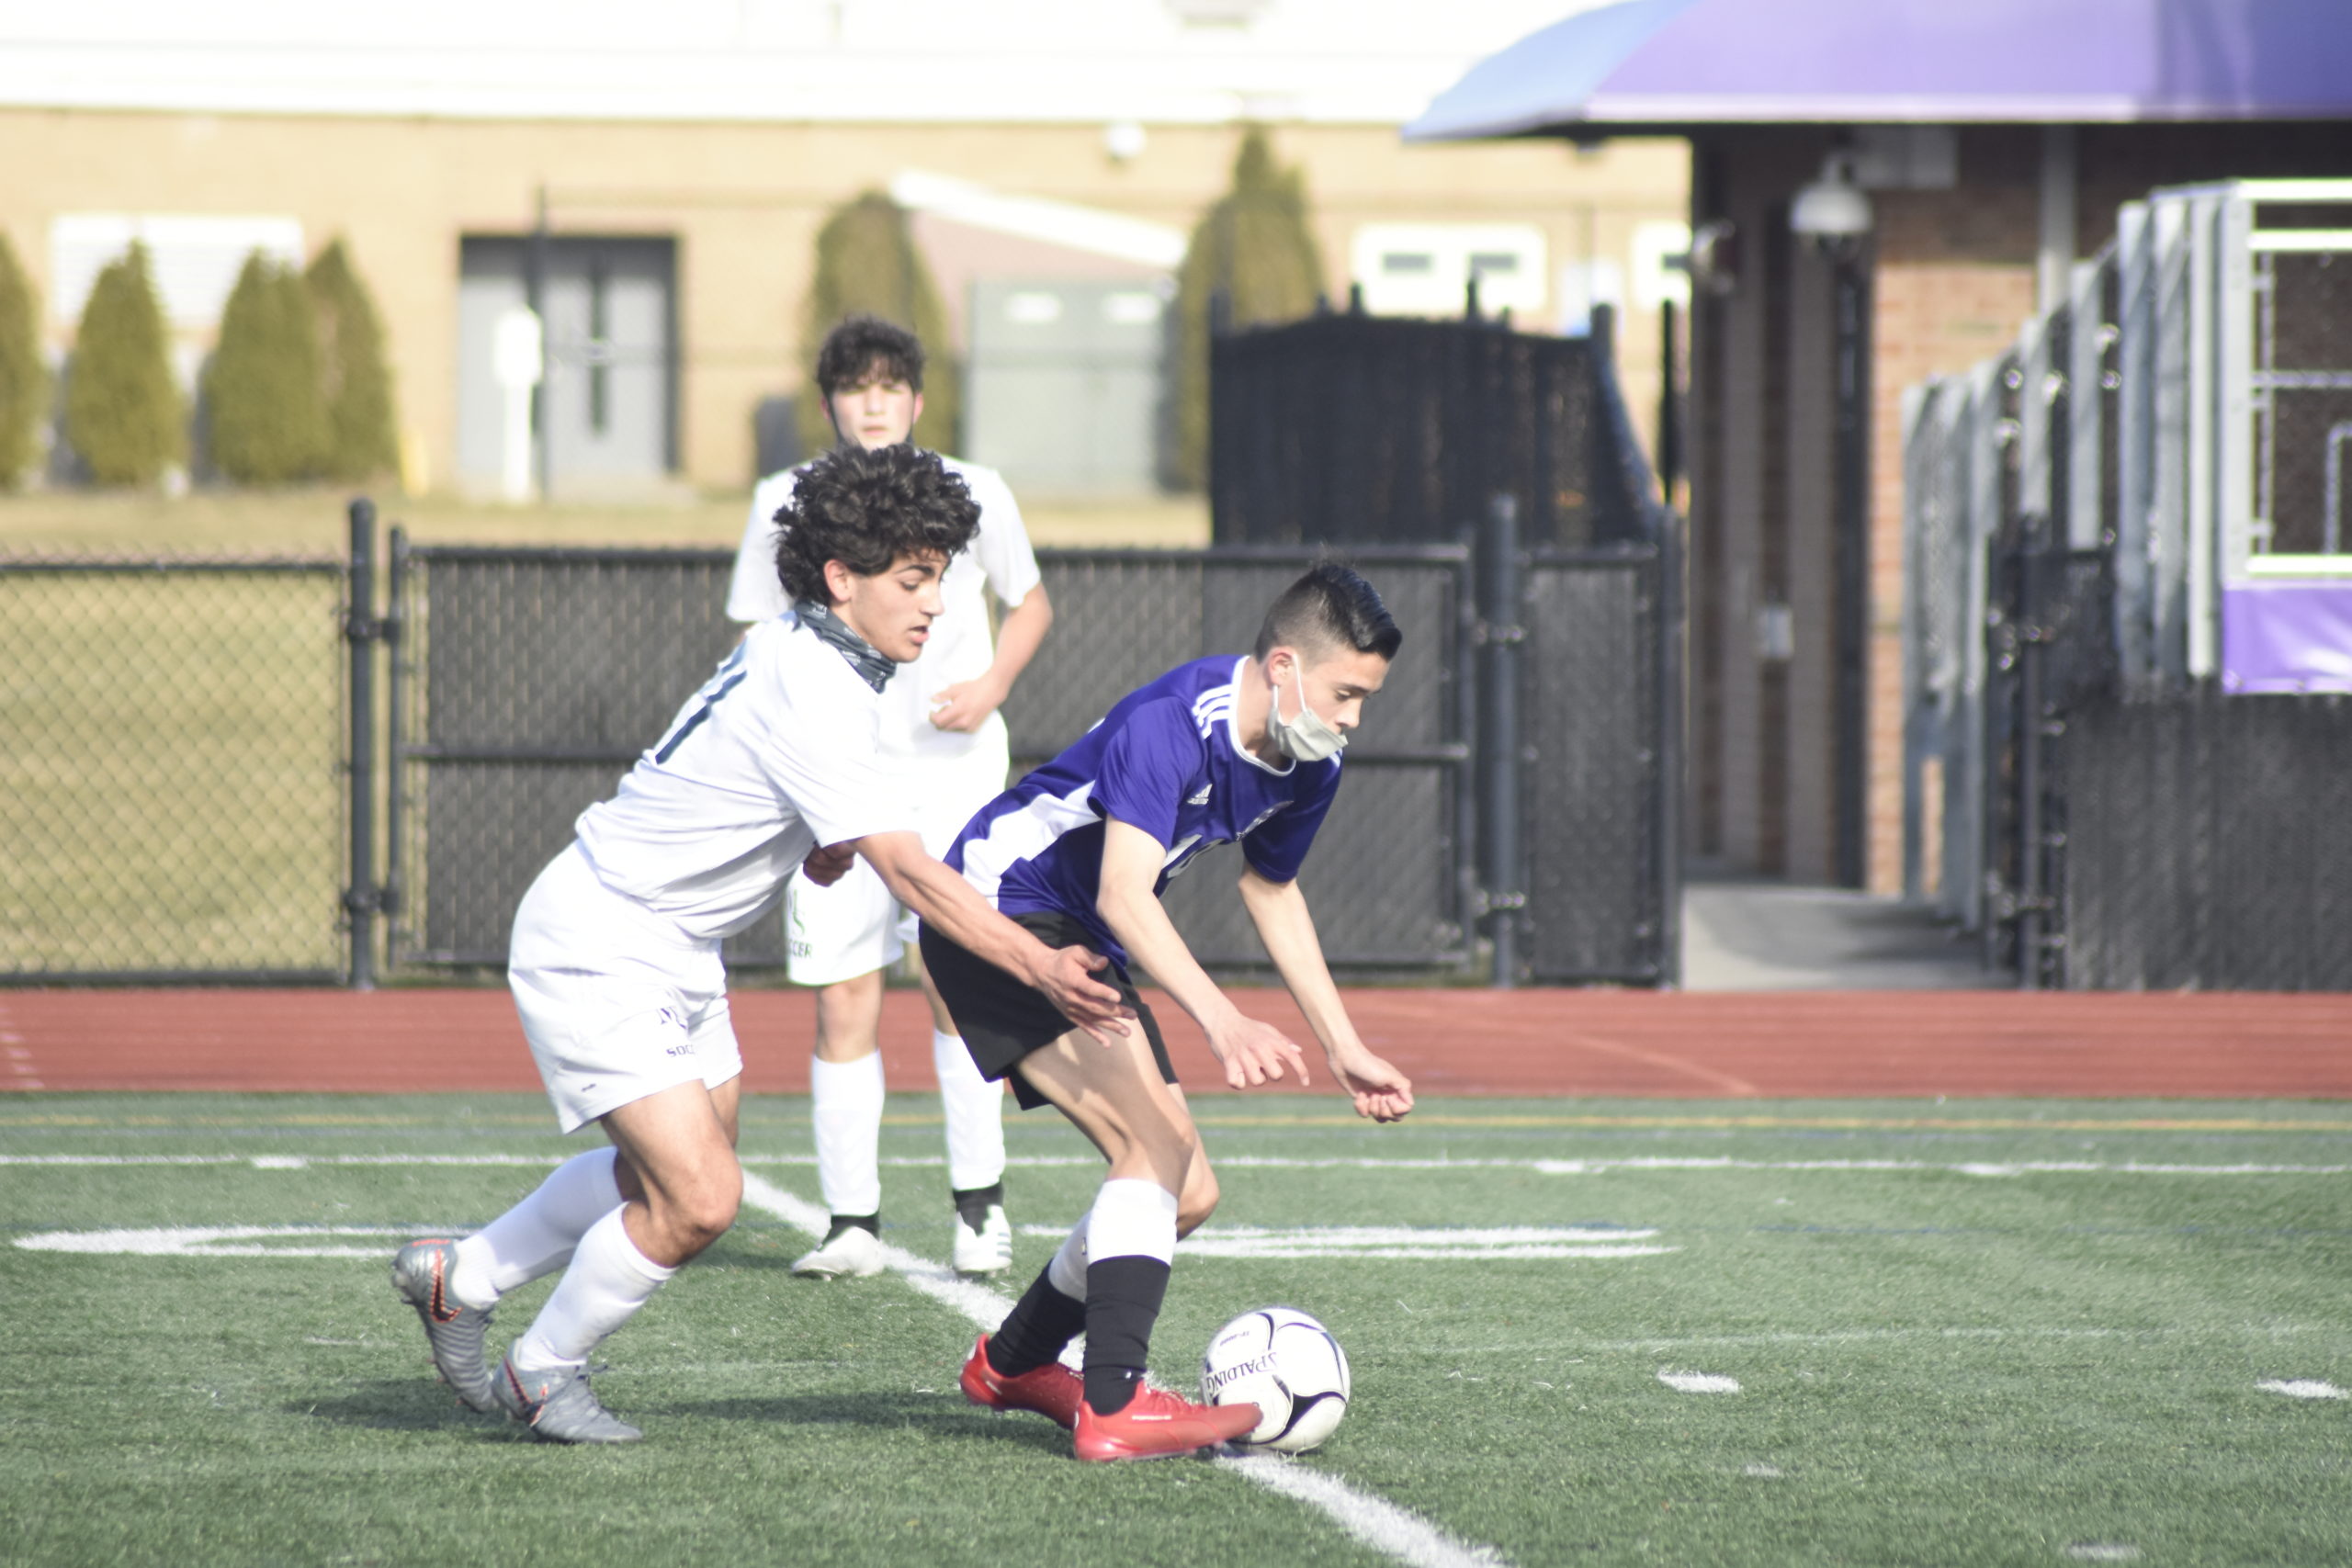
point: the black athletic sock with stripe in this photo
(1038, 1328)
(1122, 1298)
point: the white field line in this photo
(1411, 1242)
(1699, 1383)
(1380, 1525)
(1392, 1531)
(2305, 1388)
(1034, 1162)
(214, 1241)
(1971, 1167)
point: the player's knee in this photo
(706, 1212)
(1197, 1202)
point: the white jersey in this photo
(960, 647)
(777, 754)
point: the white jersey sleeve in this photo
(755, 593)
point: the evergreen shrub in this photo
(354, 379)
(124, 415)
(24, 380)
(268, 424)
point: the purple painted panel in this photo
(2288, 636)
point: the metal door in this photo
(607, 411)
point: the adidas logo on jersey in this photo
(1202, 797)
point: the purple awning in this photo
(1669, 63)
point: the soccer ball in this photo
(1289, 1366)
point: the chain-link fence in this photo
(530, 680)
(2126, 516)
(527, 682)
(172, 780)
(2206, 847)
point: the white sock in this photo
(847, 1109)
(975, 1111)
(609, 1280)
(1067, 1272)
(1131, 1218)
(537, 1236)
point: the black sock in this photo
(870, 1223)
(972, 1203)
(1123, 1297)
(1036, 1329)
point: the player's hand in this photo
(1380, 1091)
(1068, 980)
(1254, 1053)
(966, 706)
(828, 863)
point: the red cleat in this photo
(1160, 1424)
(1052, 1391)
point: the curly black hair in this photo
(865, 507)
(862, 343)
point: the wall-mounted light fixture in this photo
(1832, 212)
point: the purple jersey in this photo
(1168, 760)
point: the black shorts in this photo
(1003, 1020)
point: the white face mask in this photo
(1306, 739)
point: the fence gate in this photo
(174, 777)
(1601, 693)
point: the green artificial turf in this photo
(1943, 1356)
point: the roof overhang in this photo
(1662, 66)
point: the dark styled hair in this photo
(1331, 607)
(867, 507)
(859, 344)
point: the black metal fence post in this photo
(1668, 794)
(360, 630)
(396, 699)
(1501, 631)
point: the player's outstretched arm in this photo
(1252, 1051)
(947, 901)
(1287, 928)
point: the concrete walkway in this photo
(1771, 936)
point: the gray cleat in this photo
(559, 1407)
(420, 1275)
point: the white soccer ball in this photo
(1289, 1366)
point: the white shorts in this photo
(616, 1002)
(855, 926)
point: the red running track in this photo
(1623, 1043)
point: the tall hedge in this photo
(1254, 244)
(866, 260)
(267, 424)
(354, 380)
(24, 380)
(123, 413)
